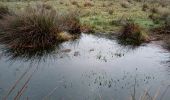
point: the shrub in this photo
(133, 34)
(3, 11)
(35, 27)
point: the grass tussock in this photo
(39, 26)
(132, 33)
(35, 27)
(3, 11)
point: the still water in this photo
(90, 68)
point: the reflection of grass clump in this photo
(29, 53)
(133, 34)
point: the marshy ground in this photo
(84, 49)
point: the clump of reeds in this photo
(39, 26)
(132, 33)
(35, 27)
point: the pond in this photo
(90, 68)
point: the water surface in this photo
(90, 68)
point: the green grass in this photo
(98, 15)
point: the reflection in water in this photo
(90, 68)
(34, 56)
(28, 53)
